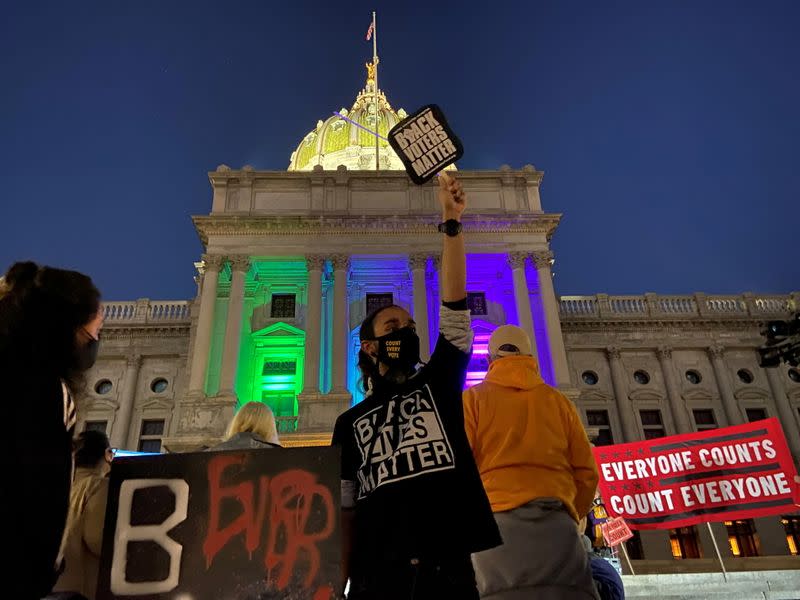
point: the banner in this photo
(234, 525)
(736, 472)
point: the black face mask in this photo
(399, 349)
(87, 353)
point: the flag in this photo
(370, 30)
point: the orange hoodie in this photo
(528, 440)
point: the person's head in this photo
(93, 450)
(389, 345)
(509, 340)
(50, 316)
(257, 418)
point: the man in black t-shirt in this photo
(413, 505)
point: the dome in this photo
(336, 141)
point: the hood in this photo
(520, 372)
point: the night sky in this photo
(668, 131)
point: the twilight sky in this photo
(668, 131)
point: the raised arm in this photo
(454, 261)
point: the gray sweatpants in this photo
(541, 558)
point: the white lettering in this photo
(769, 451)
(126, 533)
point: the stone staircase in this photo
(743, 585)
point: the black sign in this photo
(236, 525)
(425, 143)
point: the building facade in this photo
(295, 260)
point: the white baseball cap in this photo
(509, 335)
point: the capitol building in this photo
(295, 259)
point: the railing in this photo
(286, 424)
(146, 311)
(696, 306)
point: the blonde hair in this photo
(254, 417)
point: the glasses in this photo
(113, 452)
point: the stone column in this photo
(542, 261)
(680, 415)
(314, 263)
(516, 260)
(122, 421)
(233, 326)
(624, 408)
(205, 323)
(418, 264)
(341, 266)
(785, 412)
(732, 413)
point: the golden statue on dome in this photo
(371, 67)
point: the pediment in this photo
(700, 394)
(94, 403)
(751, 393)
(594, 396)
(481, 326)
(279, 329)
(646, 395)
(156, 404)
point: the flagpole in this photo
(375, 62)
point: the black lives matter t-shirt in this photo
(418, 493)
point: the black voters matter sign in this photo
(234, 525)
(425, 143)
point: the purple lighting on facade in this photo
(488, 274)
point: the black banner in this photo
(235, 525)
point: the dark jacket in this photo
(37, 468)
(244, 441)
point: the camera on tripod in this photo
(783, 343)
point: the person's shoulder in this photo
(345, 419)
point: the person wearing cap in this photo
(536, 464)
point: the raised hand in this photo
(451, 197)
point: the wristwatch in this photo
(451, 227)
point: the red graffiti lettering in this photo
(288, 499)
(292, 496)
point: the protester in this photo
(537, 467)
(606, 578)
(252, 427)
(413, 504)
(594, 521)
(50, 321)
(87, 511)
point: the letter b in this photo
(125, 533)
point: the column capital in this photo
(134, 360)
(315, 262)
(418, 260)
(213, 262)
(664, 352)
(716, 351)
(516, 260)
(613, 352)
(543, 259)
(240, 262)
(341, 262)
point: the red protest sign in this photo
(737, 472)
(615, 531)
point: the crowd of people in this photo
(445, 493)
